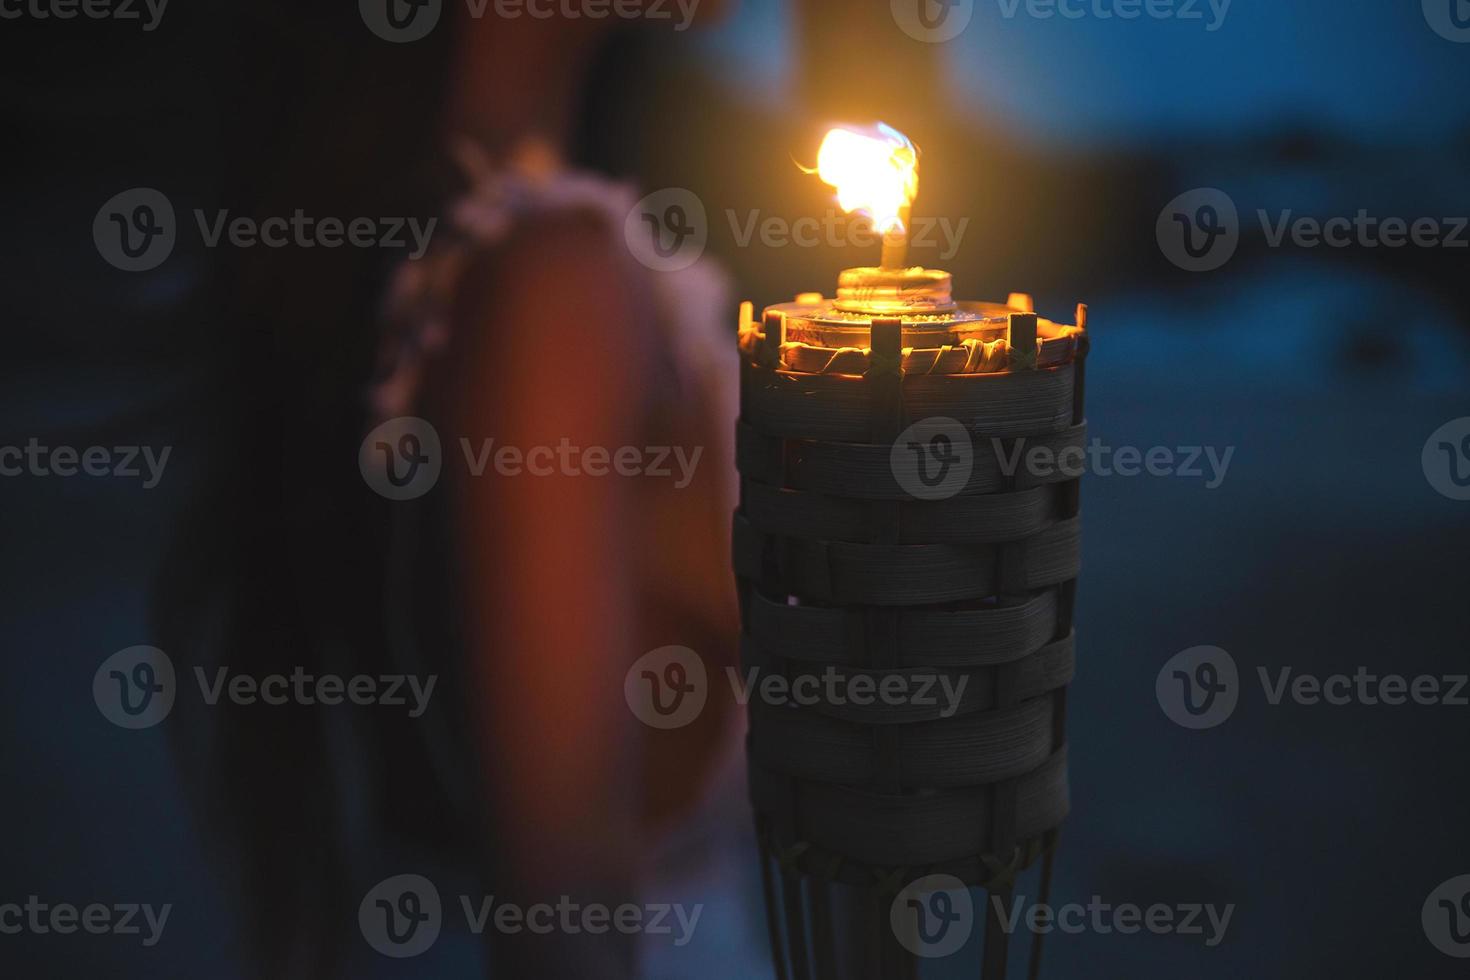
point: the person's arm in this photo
(541, 361)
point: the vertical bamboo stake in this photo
(1070, 505)
(886, 422)
(795, 922)
(774, 337)
(773, 919)
(1021, 338)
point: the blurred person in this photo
(529, 597)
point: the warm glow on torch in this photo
(876, 173)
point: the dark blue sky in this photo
(1364, 66)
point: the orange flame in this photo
(875, 170)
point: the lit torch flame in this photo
(875, 170)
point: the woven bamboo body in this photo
(840, 567)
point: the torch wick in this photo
(896, 243)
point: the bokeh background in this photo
(1061, 140)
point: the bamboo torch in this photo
(881, 536)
